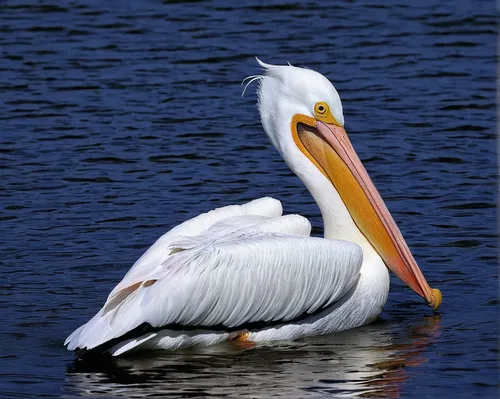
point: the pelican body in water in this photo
(248, 273)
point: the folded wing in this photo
(241, 269)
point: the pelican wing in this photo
(159, 252)
(241, 269)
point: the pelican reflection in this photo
(372, 361)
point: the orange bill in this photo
(329, 148)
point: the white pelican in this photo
(247, 273)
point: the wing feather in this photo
(238, 278)
(160, 251)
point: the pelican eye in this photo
(321, 108)
(322, 112)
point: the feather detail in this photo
(245, 268)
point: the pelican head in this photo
(302, 114)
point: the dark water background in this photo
(121, 119)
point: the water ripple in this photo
(121, 120)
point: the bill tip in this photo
(438, 297)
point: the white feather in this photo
(246, 264)
(241, 269)
(130, 344)
(160, 251)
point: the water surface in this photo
(121, 119)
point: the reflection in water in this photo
(372, 361)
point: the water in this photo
(121, 119)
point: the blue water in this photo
(121, 119)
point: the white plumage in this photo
(248, 269)
(248, 265)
